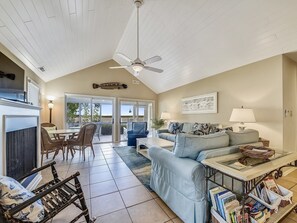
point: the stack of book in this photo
(225, 203)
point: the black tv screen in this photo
(12, 77)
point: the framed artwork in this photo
(206, 103)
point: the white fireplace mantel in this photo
(19, 110)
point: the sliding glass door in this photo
(80, 109)
(134, 111)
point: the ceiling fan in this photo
(138, 65)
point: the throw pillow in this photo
(201, 129)
(189, 146)
(175, 127)
(214, 129)
(13, 193)
(243, 137)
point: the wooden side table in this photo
(264, 141)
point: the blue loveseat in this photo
(178, 176)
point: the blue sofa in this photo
(178, 176)
(139, 130)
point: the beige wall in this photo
(257, 86)
(289, 105)
(81, 82)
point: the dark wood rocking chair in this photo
(55, 195)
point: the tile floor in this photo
(114, 194)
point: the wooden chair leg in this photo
(82, 200)
(63, 151)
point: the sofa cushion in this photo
(243, 137)
(189, 146)
(13, 193)
(175, 127)
(201, 128)
(167, 136)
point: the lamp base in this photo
(241, 128)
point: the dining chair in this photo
(49, 145)
(83, 140)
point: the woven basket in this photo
(249, 152)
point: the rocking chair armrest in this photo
(37, 170)
(28, 202)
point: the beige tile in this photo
(117, 173)
(98, 169)
(135, 195)
(102, 188)
(127, 182)
(147, 212)
(84, 180)
(86, 191)
(115, 166)
(165, 208)
(177, 220)
(97, 162)
(106, 204)
(100, 177)
(116, 217)
(69, 214)
(114, 160)
(169, 221)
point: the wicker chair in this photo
(55, 195)
(83, 140)
(49, 145)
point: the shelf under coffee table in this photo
(152, 141)
(218, 169)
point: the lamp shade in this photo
(244, 115)
(165, 115)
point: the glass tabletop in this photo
(244, 163)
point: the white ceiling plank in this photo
(49, 8)
(72, 6)
(21, 10)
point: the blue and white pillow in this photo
(201, 128)
(13, 193)
(175, 127)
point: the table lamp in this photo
(165, 115)
(242, 115)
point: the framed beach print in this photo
(206, 103)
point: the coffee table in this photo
(152, 141)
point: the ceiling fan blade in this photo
(125, 57)
(119, 67)
(153, 69)
(152, 60)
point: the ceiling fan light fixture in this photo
(137, 67)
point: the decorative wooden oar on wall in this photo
(110, 86)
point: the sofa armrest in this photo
(162, 131)
(187, 168)
(207, 154)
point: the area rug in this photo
(138, 164)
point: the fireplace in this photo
(21, 145)
(19, 138)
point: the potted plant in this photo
(157, 124)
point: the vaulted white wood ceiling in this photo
(195, 38)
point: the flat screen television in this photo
(12, 77)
